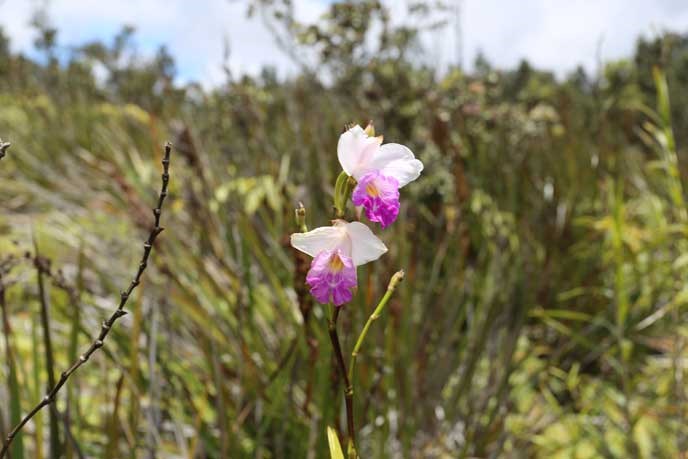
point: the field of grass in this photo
(545, 250)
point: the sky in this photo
(552, 34)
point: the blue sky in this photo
(554, 34)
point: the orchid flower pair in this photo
(379, 171)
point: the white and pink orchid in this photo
(380, 171)
(337, 251)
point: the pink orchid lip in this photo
(332, 277)
(379, 196)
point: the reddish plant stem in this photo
(348, 388)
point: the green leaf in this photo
(663, 105)
(335, 448)
(17, 449)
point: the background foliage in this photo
(543, 313)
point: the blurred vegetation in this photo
(545, 249)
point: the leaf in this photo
(663, 105)
(335, 448)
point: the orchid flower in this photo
(337, 251)
(380, 171)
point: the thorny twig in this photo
(117, 314)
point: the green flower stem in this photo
(396, 278)
(348, 376)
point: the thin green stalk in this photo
(41, 265)
(17, 450)
(396, 278)
(73, 348)
(37, 389)
(348, 375)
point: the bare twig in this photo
(117, 314)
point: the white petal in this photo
(355, 149)
(395, 160)
(365, 246)
(323, 238)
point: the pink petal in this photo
(332, 277)
(379, 196)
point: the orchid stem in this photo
(348, 389)
(348, 376)
(396, 278)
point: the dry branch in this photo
(106, 327)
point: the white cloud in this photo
(551, 34)
(560, 35)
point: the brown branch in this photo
(117, 314)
